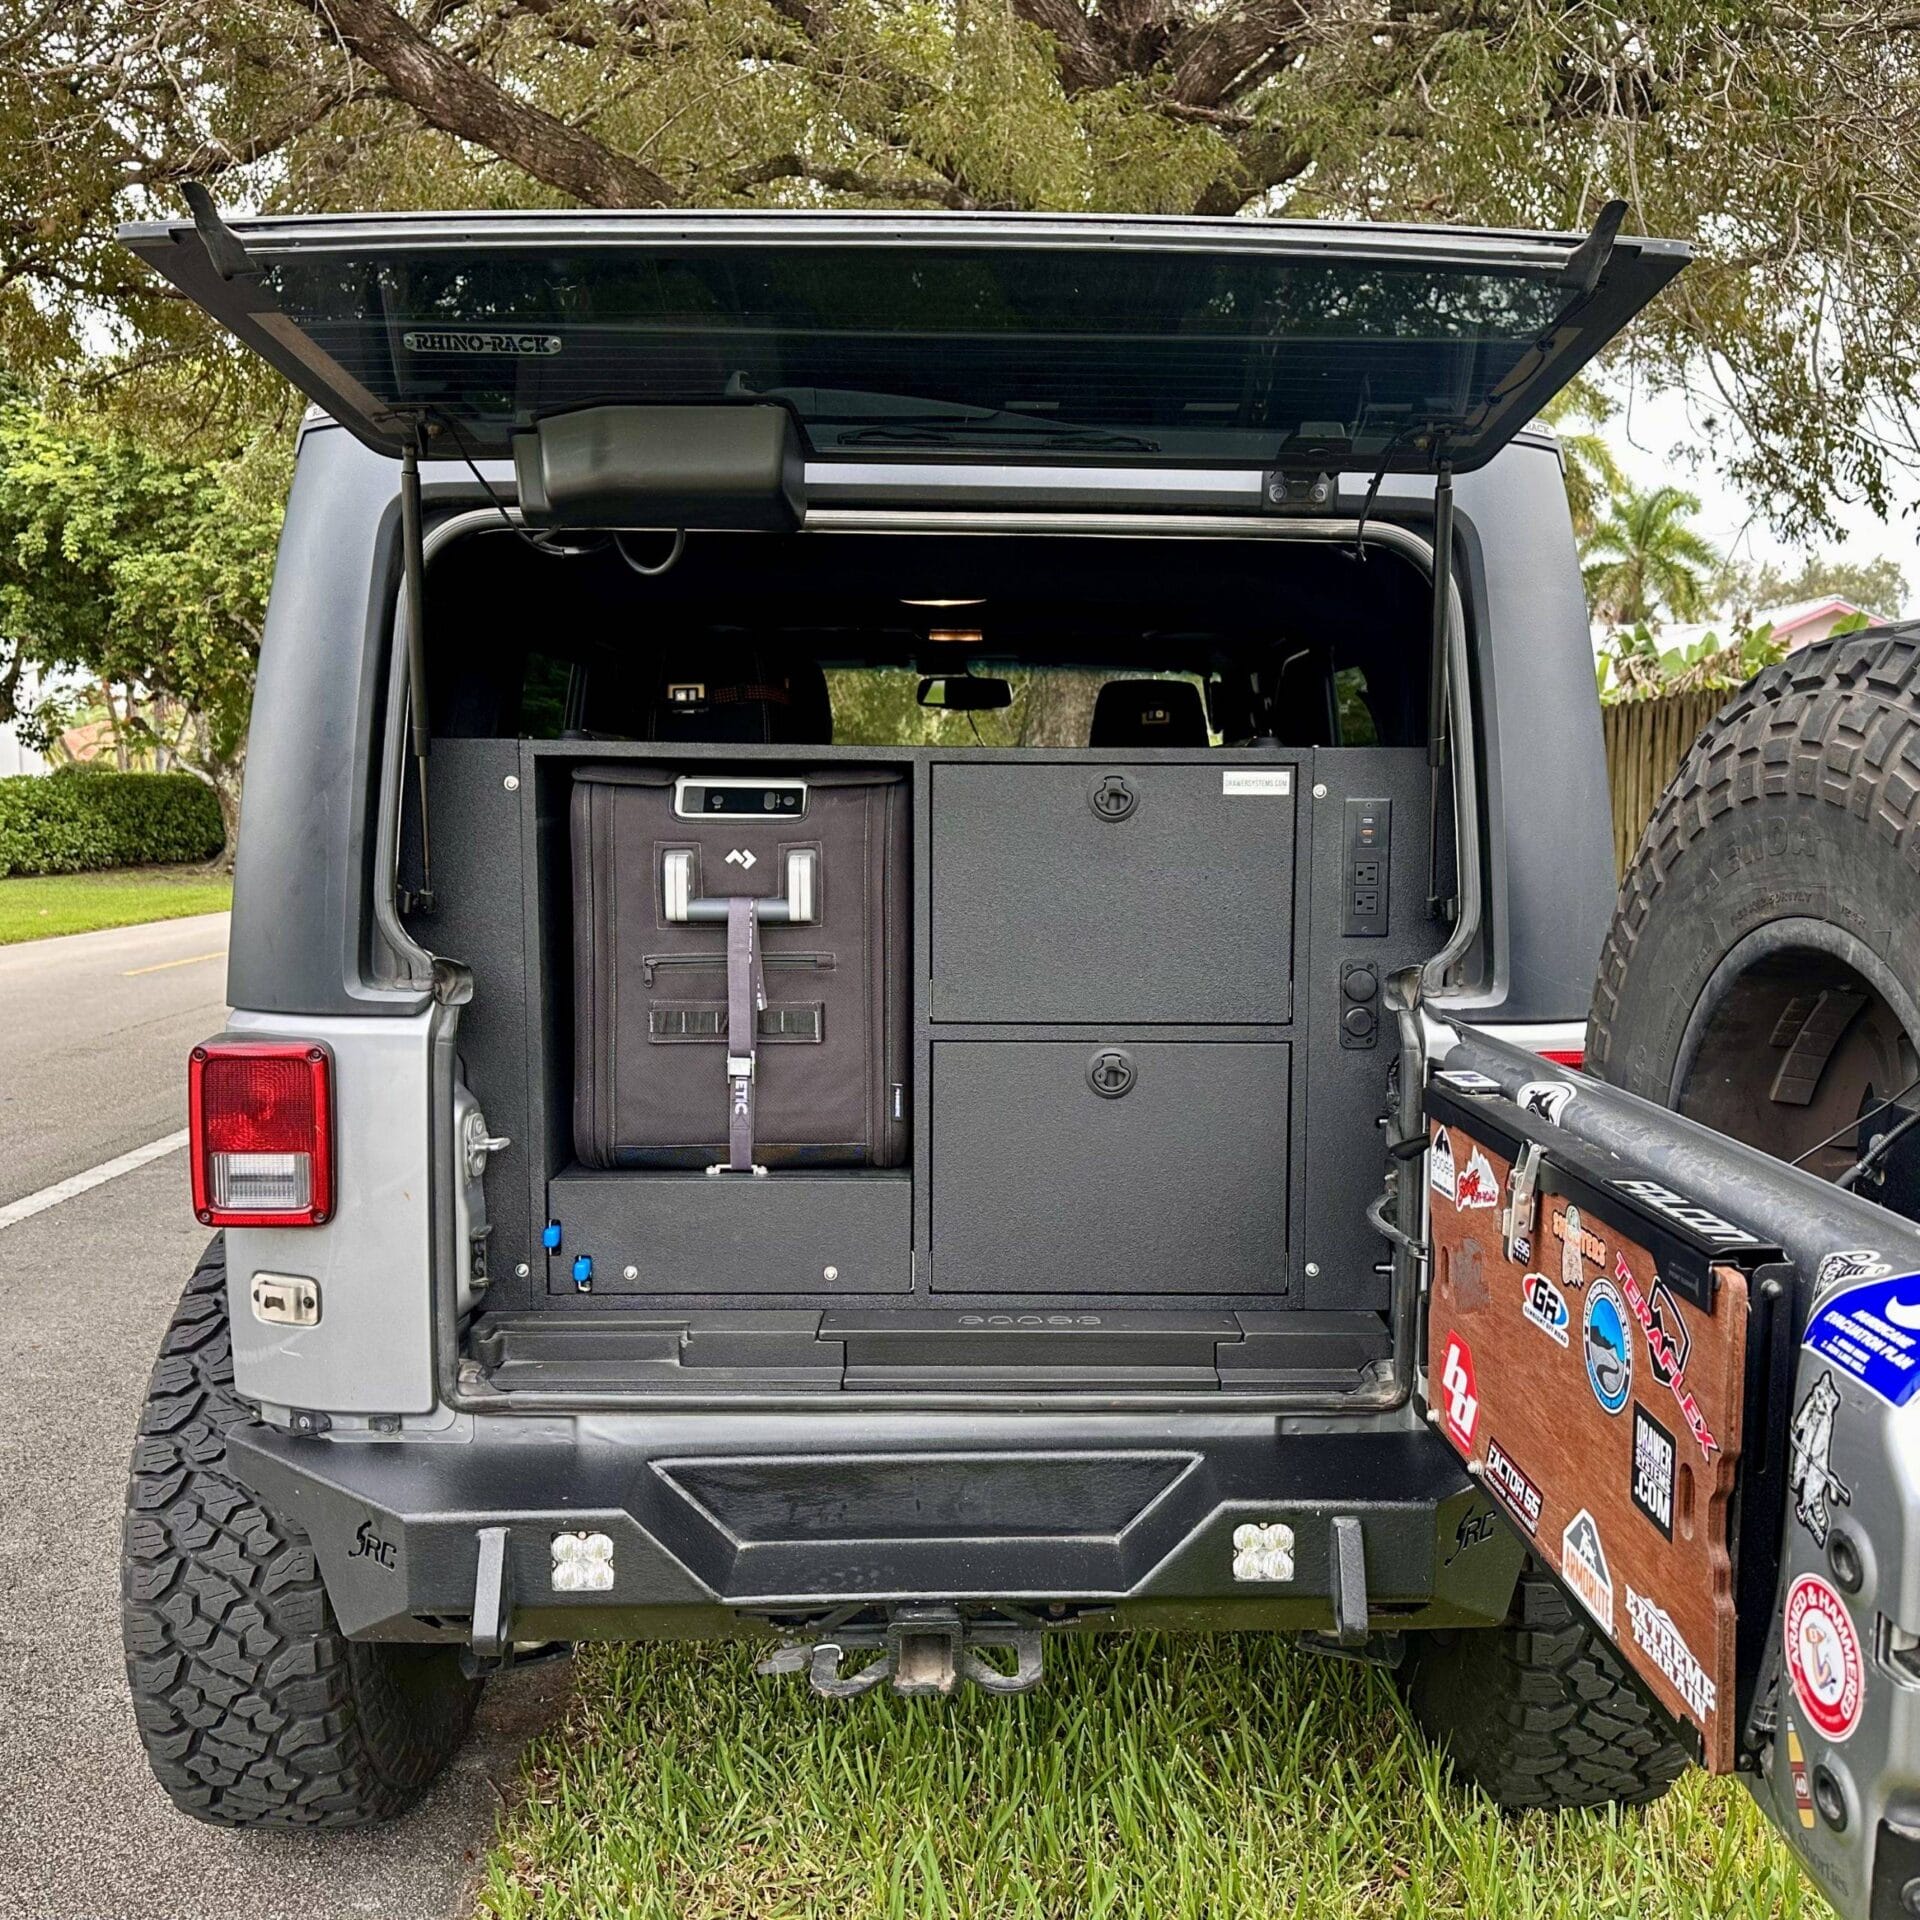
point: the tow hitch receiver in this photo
(920, 1649)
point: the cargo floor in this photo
(620, 1354)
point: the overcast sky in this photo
(1647, 431)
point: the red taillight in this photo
(260, 1115)
(1574, 1057)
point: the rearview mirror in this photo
(965, 693)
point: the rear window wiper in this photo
(928, 434)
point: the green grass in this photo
(1152, 1778)
(37, 907)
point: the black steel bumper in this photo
(721, 1522)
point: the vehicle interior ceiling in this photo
(1082, 645)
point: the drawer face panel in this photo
(1130, 893)
(1047, 1180)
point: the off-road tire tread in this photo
(1838, 720)
(255, 1711)
(1539, 1713)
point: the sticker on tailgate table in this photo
(1512, 1488)
(1461, 1394)
(1871, 1332)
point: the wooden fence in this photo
(1646, 741)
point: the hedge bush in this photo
(71, 822)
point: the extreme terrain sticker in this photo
(1823, 1657)
(1653, 1630)
(1871, 1332)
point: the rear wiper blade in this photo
(928, 434)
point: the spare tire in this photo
(1762, 967)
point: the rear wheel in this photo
(254, 1709)
(1760, 974)
(1539, 1713)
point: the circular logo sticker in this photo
(1823, 1657)
(1609, 1351)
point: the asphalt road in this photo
(93, 1037)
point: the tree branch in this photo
(451, 96)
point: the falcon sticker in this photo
(1441, 1174)
(1823, 1657)
(1814, 1480)
(1476, 1186)
(1652, 1487)
(1678, 1208)
(1654, 1632)
(1583, 1566)
(1512, 1488)
(1546, 1306)
(1609, 1350)
(1460, 1405)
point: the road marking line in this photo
(160, 966)
(17, 1210)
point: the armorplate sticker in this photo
(1654, 1631)
(1583, 1566)
(1871, 1332)
(1823, 1657)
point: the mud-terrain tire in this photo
(1763, 963)
(1539, 1713)
(253, 1708)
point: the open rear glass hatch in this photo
(1158, 341)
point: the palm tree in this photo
(1592, 474)
(1644, 557)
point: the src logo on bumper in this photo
(368, 1545)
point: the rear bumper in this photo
(724, 1523)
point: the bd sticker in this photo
(1609, 1352)
(1653, 1470)
(1871, 1332)
(1546, 1306)
(1668, 1346)
(1512, 1488)
(1823, 1657)
(1656, 1635)
(1548, 1098)
(1475, 1185)
(1461, 1396)
(1583, 1566)
(1814, 1480)
(1441, 1174)
(1851, 1263)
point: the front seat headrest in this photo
(1148, 713)
(713, 692)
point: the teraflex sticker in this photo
(1442, 1175)
(1669, 1346)
(1546, 1306)
(1653, 1464)
(1871, 1332)
(1459, 1395)
(1655, 1633)
(1512, 1488)
(1823, 1657)
(1814, 1480)
(1583, 1566)
(1607, 1346)
(1476, 1186)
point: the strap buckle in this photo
(739, 1066)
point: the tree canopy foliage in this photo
(1783, 141)
(136, 568)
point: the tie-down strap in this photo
(746, 996)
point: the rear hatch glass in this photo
(1184, 342)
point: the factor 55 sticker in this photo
(1823, 1657)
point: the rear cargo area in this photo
(1058, 1021)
